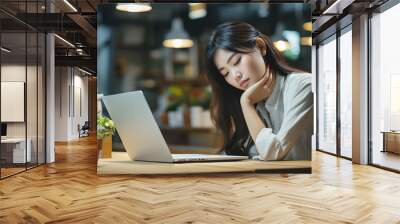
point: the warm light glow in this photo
(281, 45)
(178, 43)
(196, 4)
(307, 26)
(64, 40)
(197, 10)
(196, 14)
(71, 6)
(306, 41)
(133, 7)
(177, 37)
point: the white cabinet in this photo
(18, 149)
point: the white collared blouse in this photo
(288, 115)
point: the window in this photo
(327, 96)
(346, 74)
(385, 88)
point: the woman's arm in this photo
(297, 117)
(254, 94)
(253, 120)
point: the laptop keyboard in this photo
(194, 156)
(202, 157)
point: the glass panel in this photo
(23, 88)
(346, 94)
(41, 89)
(41, 99)
(31, 100)
(385, 83)
(13, 87)
(32, 87)
(327, 97)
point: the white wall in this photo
(61, 103)
(71, 93)
(12, 73)
(33, 127)
(79, 115)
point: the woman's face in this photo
(240, 70)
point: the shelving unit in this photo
(192, 82)
(176, 67)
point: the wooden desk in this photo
(120, 163)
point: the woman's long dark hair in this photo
(226, 111)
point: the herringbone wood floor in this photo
(69, 191)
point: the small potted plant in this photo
(105, 130)
(175, 100)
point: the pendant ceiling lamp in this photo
(177, 37)
(133, 7)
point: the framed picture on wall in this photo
(12, 101)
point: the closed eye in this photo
(238, 61)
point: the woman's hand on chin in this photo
(259, 90)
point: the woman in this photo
(257, 97)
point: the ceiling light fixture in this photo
(177, 37)
(197, 10)
(133, 7)
(70, 5)
(84, 71)
(5, 50)
(65, 41)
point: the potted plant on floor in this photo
(105, 130)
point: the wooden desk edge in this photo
(124, 167)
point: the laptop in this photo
(141, 135)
